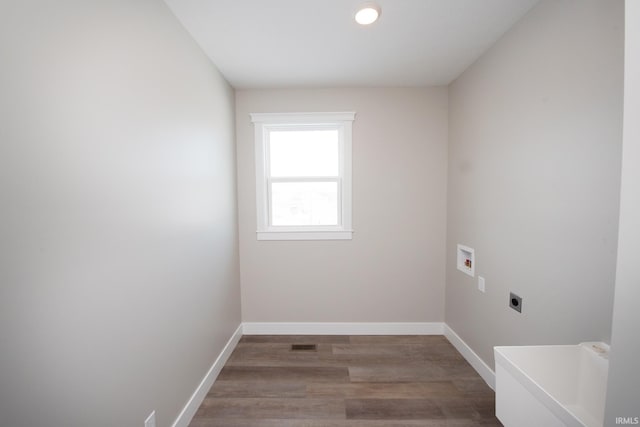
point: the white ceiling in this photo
(316, 43)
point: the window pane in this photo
(303, 153)
(304, 203)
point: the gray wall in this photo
(624, 375)
(119, 277)
(534, 168)
(393, 269)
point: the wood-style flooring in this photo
(349, 381)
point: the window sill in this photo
(304, 235)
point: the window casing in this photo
(303, 176)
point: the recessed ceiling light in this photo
(367, 14)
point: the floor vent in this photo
(304, 347)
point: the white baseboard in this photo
(487, 374)
(198, 396)
(330, 328)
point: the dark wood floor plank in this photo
(397, 339)
(455, 370)
(472, 386)
(457, 408)
(280, 354)
(385, 390)
(242, 389)
(237, 422)
(485, 406)
(400, 353)
(259, 408)
(284, 374)
(348, 381)
(417, 372)
(403, 351)
(393, 409)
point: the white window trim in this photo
(263, 122)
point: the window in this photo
(303, 176)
